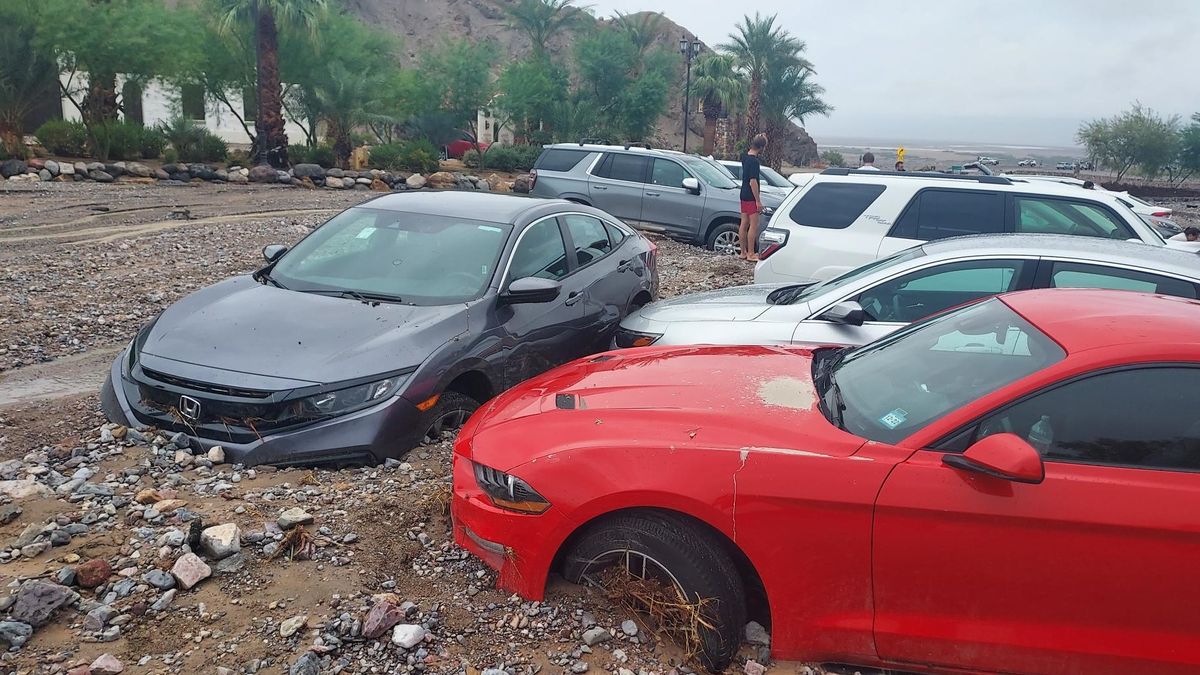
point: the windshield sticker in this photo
(894, 418)
(489, 228)
(366, 232)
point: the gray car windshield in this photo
(708, 171)
(774, 178)
(895, 386)
(415, 258)
(805, 293)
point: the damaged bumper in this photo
(365, 436)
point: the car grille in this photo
(204, 387)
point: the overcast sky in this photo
(1015, 71)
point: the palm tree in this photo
(541, 20)
(789, 94)
(345, 99)
(643, 28)
(267, 17)
(758, 46)
(720, 88)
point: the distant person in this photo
(868, 162)
(900, 166)
(1188, 234)
(751, 198)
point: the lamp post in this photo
(690, 50)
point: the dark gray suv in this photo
(686, 197)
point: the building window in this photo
(249, 104)
(192, 99)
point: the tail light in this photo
(532, 179)
(652, 255)
(1161, 214)
(770, 241)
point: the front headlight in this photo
(135, 346)
(626, 338)
(345, 400)
(509, 492)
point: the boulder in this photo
(115, 169)
(594, 636)
(308, 171)
(238, 177)
(336, 173)
(442, 180)
(100, 176)
(24, 489)
(308, 664)
(263, 174)
(52, 167)
(14, 633)
(81, 168)
(216, 454)
(522, 185)
(306, 183)
(35, 164)
(37, 601)
(190, 570)
(44, 174)
(221, 541)
(290, 627)
(106, 664)
(334, 182)
(12, 167)
(140, 170)
(293, 517)
(93, 573)
(66, 169)
(415, 181)
(407, 635)
(161, 175)
(382, 617)
(379, 186)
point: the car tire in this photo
(448, 414)
(724, 239)
(694, 560)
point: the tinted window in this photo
(735, 169)
(624, 167)
(1092, 420)
(555, 159)
(590, 238)
(615, 235)
(1076, 275)
(924, 292)
(938, 214)
(834, 205)
(667, 173)
(1063, 216)
(541, 253)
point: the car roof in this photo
(488, 206)
(596, 147)
(1007, 183)
(1130, 253)
(1080, 319)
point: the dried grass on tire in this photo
(670, 612)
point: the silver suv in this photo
(683, 196)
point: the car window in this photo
(734, 169)
(615, 235)
(619, 166)
(1063, 216)
(590, 238)
(540, 253)
(834, 205)
(938, 214)
(1079, 275)
(709, 171)
(919, 294)
(1091, 420)
(557, 159)
(667, 173)
(896, 385)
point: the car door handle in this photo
(574, 297)
(599, 187)
(624, 265)
(653, 194)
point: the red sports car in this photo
(1012, 486)
(463, 141)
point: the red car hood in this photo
(713, 397)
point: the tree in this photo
(721, 90)
(27, 73)
(267, 17)
(459, 72)
(541, 20)
(643, 28)
(1137, 137)
(623, 91)
(99, 39)
(1187, 156)
(760, 45)
(789, 94)
(528, 92)
(833, 158)
(224, 65)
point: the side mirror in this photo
(691, 185)
(1004, 456)
(272, 251)
(848, 313)
(530, 290)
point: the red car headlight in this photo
(509, 492)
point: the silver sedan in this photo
(867, 303)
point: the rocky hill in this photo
(422, 24)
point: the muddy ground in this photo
(82, 266)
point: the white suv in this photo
(845, 218)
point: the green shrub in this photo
(170, 156)
(127, 141)
(305, 154)
(417, 156)
(151, 143)
(507, 158)
(192, 142)
(61, 137)
(833, 158)
(298, 153)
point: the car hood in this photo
(737, 303)
(742, 397)
(239, 327)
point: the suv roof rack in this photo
(995, 180)
(593, 141)
(639, 145)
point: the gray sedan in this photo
(869, 302)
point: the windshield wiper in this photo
(839, 404)
(365, 298)
(264, 275)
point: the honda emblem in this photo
(189, 407)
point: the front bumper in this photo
(365, 436)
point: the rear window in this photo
(556, 159)
(834, 205)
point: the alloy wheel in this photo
(727, 243)
(451, 420)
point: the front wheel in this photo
(677, 573)
(447, 416)
(724, 239)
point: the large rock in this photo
(442, 180)
(308, 664)
(52, 167)
(407, 635)
(66, 169)
(107, 664)
(289, 627)
(138, 169)
(522, 184)
(382, 617)
(14, 633)
(334, 182)
(308, 170)
(12, 167)
(100, 176)
(221, 541)
(293, 517)
(263, 174)
(24, 489)
(37, 601)
(415, 181)
(379, 186)
(190, 570)
(93, 573)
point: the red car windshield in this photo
(893, 387)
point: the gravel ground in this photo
(99, 522)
